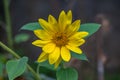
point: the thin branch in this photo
(8, 23)
(17, 56)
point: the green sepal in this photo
(31, 26)
(16, 67)
(91, 28)
(67, 74)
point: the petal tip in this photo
(62, 11)
(69, 12)
(40, 19)
(33, 43)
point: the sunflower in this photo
(58, 38)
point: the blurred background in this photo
(102, 49)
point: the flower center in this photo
(60, 39)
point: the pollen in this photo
(60, 39)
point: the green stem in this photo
(37, 76)
(17, 56)
(38, 67)
(8, 23)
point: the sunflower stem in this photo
(18, 57)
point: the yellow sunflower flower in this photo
(58, 38)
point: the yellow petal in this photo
(73, 27)
(43, 57)
(58, 62)
(62, 21)
(53, 23)
(69, 17)
(42, 34)
(79, 35)
(40, 43)
(52, 20)
(54, 56)
(74, 49)
(45, 25)
(48, 48)
(76, 42)
(65, 54)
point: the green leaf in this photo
(91, 28)
(1, 69)
(67, 74)
(16, 67)
(79, 56)
(21, 37)
(31, 26)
